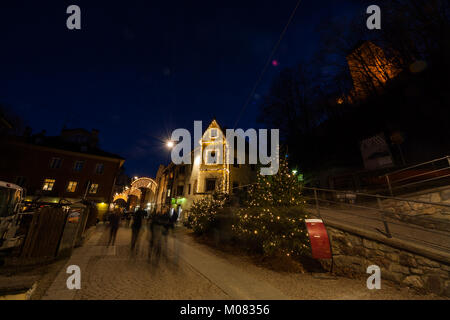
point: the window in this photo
(180, 190)
(99, 168)
(55, 163)
(78, 166)
(168, 192)
(213, 133)
(210, 185)
(189, 188)
(72, 186)
(48, 184)
(211, 158)
(93, 188)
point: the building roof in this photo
(55, 142)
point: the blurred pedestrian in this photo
(172, 223)
(166, 226)
(128, 218)
(136, 227)
(154, 250)
(174, 218)
(114, 222)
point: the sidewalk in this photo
(195, 271)
(80, 257)
(234, 281)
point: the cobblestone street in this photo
(195, 271)
(111, 273)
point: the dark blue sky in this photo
(139, 69)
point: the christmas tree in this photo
(273, 220)
(203, 213)
(282, 189)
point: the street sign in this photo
(320, 244)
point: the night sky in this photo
(139, 69)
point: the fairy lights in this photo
(272, 220)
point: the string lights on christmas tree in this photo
(203, 212)
(273, 218)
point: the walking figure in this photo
(173, 220)
(128, 218)
(154, 250)
(136, 227)
(114, 222)
(158, 237)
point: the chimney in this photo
(93, 141)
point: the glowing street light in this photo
(170, 144)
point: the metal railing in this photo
(401, 218)
(425, 172)
(368, 211)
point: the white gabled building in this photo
(183, 184)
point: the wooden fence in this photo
(54, 232)
(44, 233)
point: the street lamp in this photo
(170, 144)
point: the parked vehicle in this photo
(11, 197)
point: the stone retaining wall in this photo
(426, 215)
(353, 253)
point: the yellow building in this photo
(209, 170)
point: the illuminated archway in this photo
(148, 185)
(144, 182)
(120, 196)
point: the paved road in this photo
(195, 271)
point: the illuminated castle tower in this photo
(370, 69)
